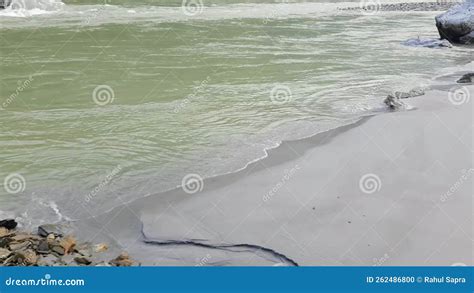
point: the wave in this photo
(27, 8)
(99, 14)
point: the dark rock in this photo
(416, 6)
(393, 101)
(5, 3)
(457, 24)
(467, 78)
(467, 39)
(43, 247)
(428, 43)
(10, 224)
(45, 230)
(82, 260)
(4, 241)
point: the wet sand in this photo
(392, 189)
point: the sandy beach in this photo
(392, 189)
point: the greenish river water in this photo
(116, 102)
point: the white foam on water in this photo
(28, 8)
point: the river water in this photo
(105, 103)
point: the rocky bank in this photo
(50, 246)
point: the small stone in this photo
(45, 230)
(84, 252)
(19, 245)
(10, 224)
(393, 102)
(4, 241)
(30, 257)
(23, 237)
(14, 259)
(43, 247)
(82, 260)
(101, 247)
(68, 244)
(4, 232)
(58, 249)
(123, 260)
(467, 78)
(4, 253)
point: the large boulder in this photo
(4, 3)
(457, 24)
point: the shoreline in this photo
(150, 246)
(176, 228)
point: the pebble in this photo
(4, 253)
(43, 247)
(9, 224)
